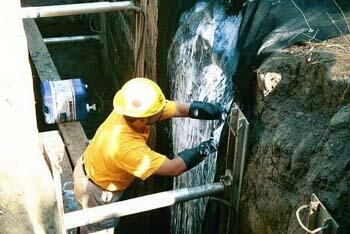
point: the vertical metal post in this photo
(235, 161)
(239, 162)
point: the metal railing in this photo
(140, 204)
(75, 9)
(72, 39)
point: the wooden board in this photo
(53, 140)
(54, 151)
(72, 132)
(41, 58)
(75, 139)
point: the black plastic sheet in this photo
(271, 25)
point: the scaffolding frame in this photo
(238, 130)
(75, 9)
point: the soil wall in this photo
(300, 138)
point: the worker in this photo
(118, 152)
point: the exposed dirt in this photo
(301, 138)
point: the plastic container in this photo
(68, 196)
(65, 100)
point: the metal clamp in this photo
(227, 178)
(227, 181)
(313, 207)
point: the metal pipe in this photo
(75, 9)
(58, 40)
(136, 205)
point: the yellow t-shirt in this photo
(117, 153)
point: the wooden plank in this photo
(53, 148)
(75, 139)
(53, 140)
(72, 132)
(39, 53)
(57, 157)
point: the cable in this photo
(138, 10)
(297, 213)
(91, 27)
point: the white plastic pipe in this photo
(75, 9)
(136, 205)
(58, 40)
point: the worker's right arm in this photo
(199, 110)
(195, 110)
(206, 110)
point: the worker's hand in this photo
(208, 147)
(224, 114)
(192, 157)
(206, 110)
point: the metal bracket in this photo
(318, 218)
(231, 121)
(227, 178)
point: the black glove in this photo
(193, 156)
(205, 110)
